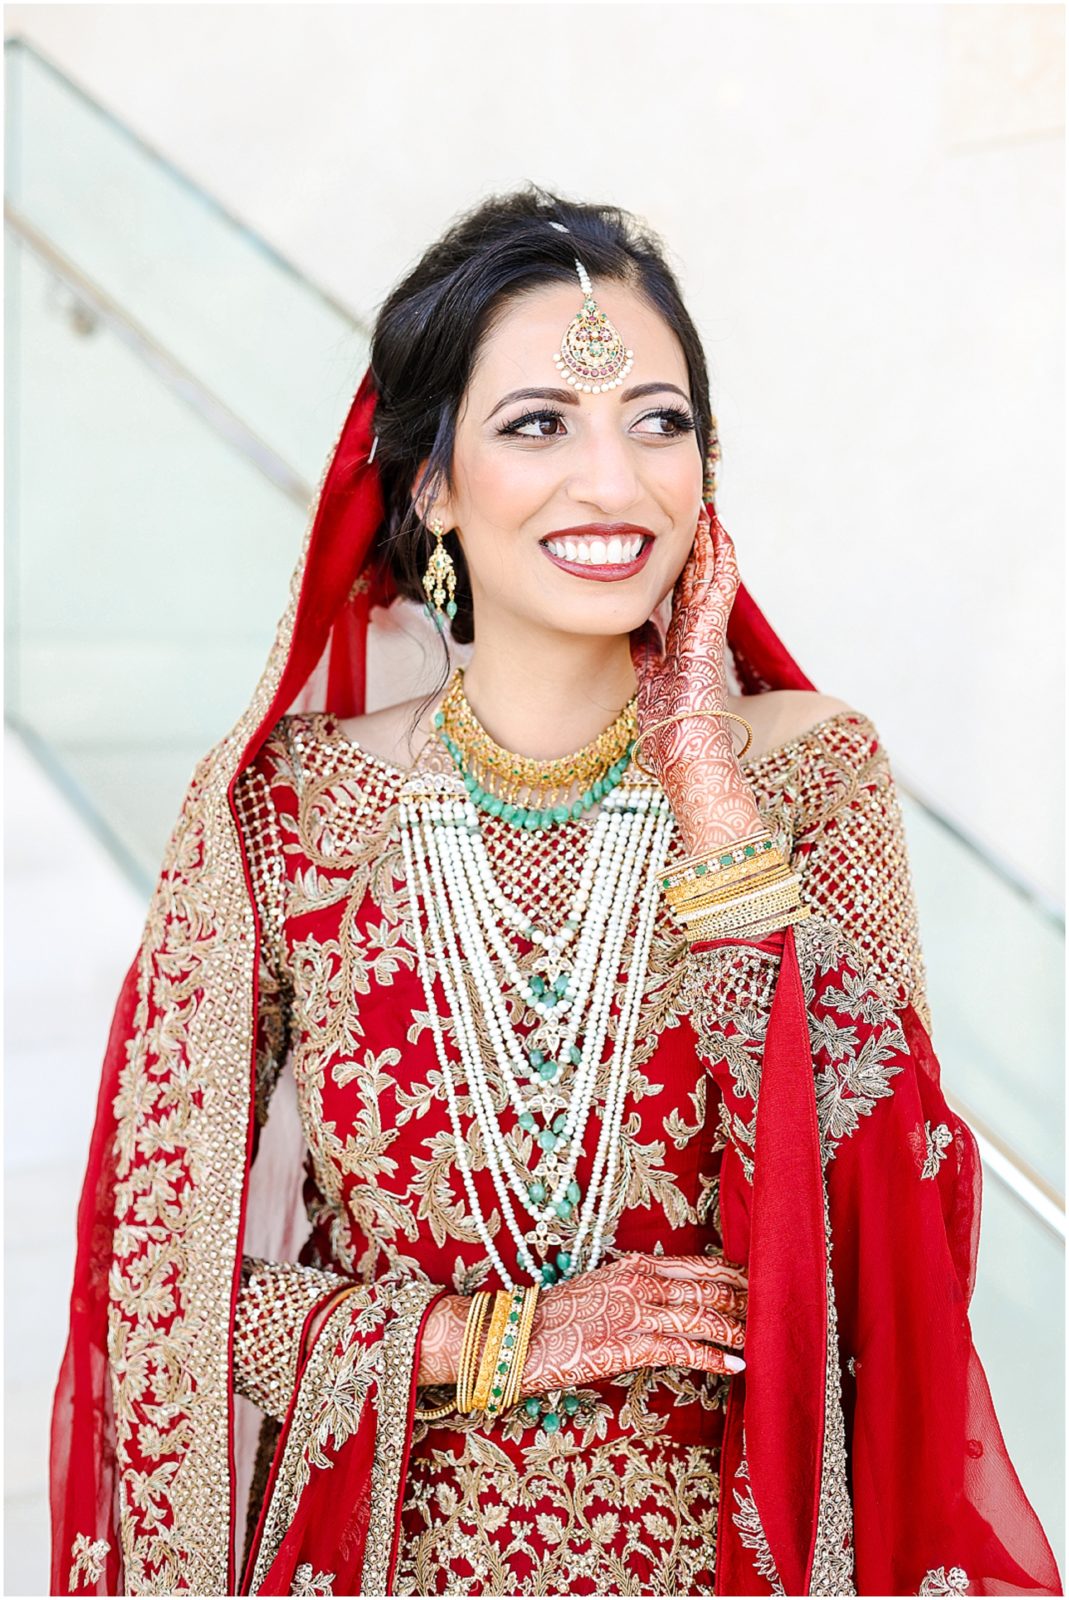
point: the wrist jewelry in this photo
(508, 1350)
(471, 1331)
(730, 894)
(697, 931)
(523, 1339)
(488, 1365)
(469, 1349)
(438, 1411)
(719, 859)
(766, 912)
(758, 902)
(728, 880)
(680, 716)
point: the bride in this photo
(520, 1163)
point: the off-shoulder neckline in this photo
(332, 721)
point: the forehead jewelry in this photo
(592, 356)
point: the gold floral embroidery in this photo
(87, 1560)
(936, 1141)
(851, 850)
(851, 1077)
(305, 1582)
(945, 1580)
(747, 1519)
(634, 1514)
(833, 1556)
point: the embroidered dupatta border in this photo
(387, 1367)
(183, 1114)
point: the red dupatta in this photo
(147, 1501)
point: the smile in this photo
(605, 560)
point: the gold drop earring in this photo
(440, 578)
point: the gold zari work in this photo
(469, 1509)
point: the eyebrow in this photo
(570, 397)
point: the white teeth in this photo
(598, 552)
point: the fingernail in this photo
(734, 1363)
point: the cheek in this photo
(500, 493)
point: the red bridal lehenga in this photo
(272, 1138)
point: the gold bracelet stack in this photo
(469, 1348)
(488, 1367)
(747, 888)
(492, 1383)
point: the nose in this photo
(603, 472)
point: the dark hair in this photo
(428, 332)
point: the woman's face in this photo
(616, 457)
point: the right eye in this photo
(548, 415)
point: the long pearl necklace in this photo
(447, 863)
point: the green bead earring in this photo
(440, 579)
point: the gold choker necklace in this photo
(527, 780)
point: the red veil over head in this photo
(148, 1452)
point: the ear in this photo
(428, 504)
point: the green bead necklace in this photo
(533, 819)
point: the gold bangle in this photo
(494, 1336)
(755, 930)
(733, 904)
(429, 1416)
(712, 858)
(469, 1348)
(680, 716)
(527, 1315)
(725, 888)
(712, 877)
(736, 894)
(740, 913)
(507, 1348)
(763, 919)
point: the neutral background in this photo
(864, 203)
(865, 207)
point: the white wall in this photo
(865, 205)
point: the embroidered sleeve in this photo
(275, 1300)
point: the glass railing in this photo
(173, 388)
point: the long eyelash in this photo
(685, 423)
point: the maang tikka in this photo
(592, 355)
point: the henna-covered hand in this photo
(694, 758)
(637, 1311)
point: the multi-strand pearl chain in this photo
(446, 861)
